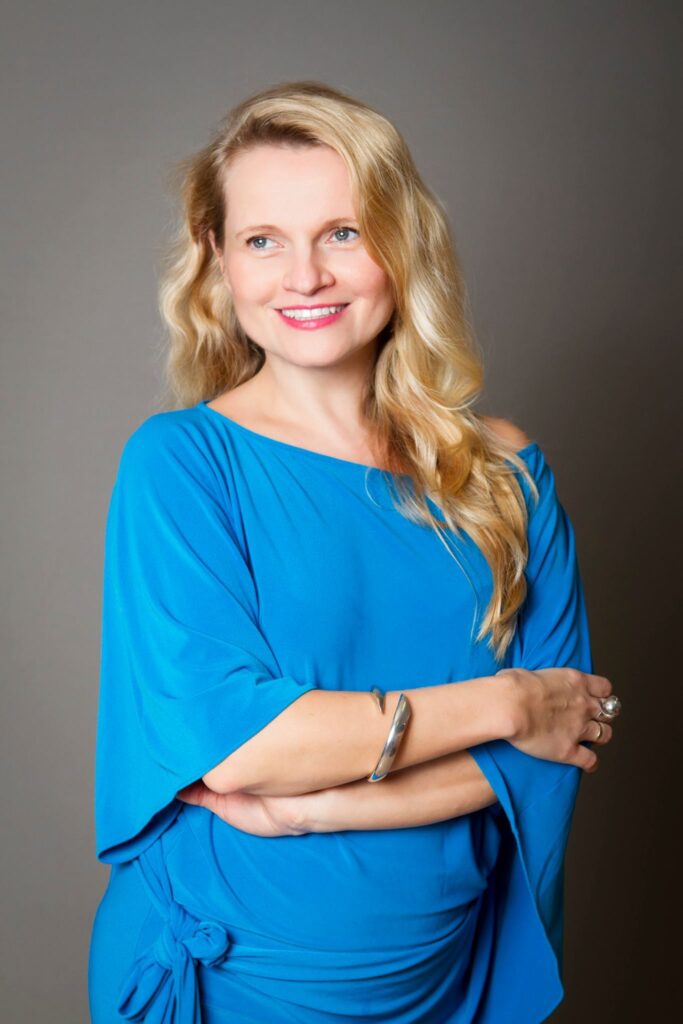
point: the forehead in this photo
(272, 182)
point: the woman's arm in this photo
(443, 788)
(446, 787)
(327, 738)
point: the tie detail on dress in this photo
(161, 986)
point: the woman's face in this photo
(292, 240)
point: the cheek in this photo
(369, 280)
(249, 283)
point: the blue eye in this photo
(255, 238)
(337, 230)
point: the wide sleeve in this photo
(186, 675)
(536, 797)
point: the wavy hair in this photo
(428, 371)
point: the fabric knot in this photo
(161, 987)
(183, 934)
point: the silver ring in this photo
(609, 708)
(601, 728)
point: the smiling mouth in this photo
(312, 312)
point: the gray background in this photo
(548, 130)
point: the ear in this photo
(217, 253)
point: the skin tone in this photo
(308, 393)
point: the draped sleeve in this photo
(536, 797)
(186, 675)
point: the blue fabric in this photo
(240, 572)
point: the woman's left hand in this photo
(258, 815)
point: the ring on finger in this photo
(609, 707)
(600, 731)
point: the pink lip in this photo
(321, 305)
(311, 325)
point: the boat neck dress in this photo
(240, 572)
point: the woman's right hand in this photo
(555, 710)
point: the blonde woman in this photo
(346, 682)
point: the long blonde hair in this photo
(428, 372)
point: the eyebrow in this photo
(273, 227)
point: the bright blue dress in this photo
(240, 572)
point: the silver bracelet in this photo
(396, 730)
(379, 697)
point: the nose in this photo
(306, 271)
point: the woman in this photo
(324, 514)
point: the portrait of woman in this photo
(347, 695)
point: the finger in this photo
(594, 734)
(598, 686)
(196, 793)
(585, 759)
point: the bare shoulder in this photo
(507, 431)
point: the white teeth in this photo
(310, 314)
